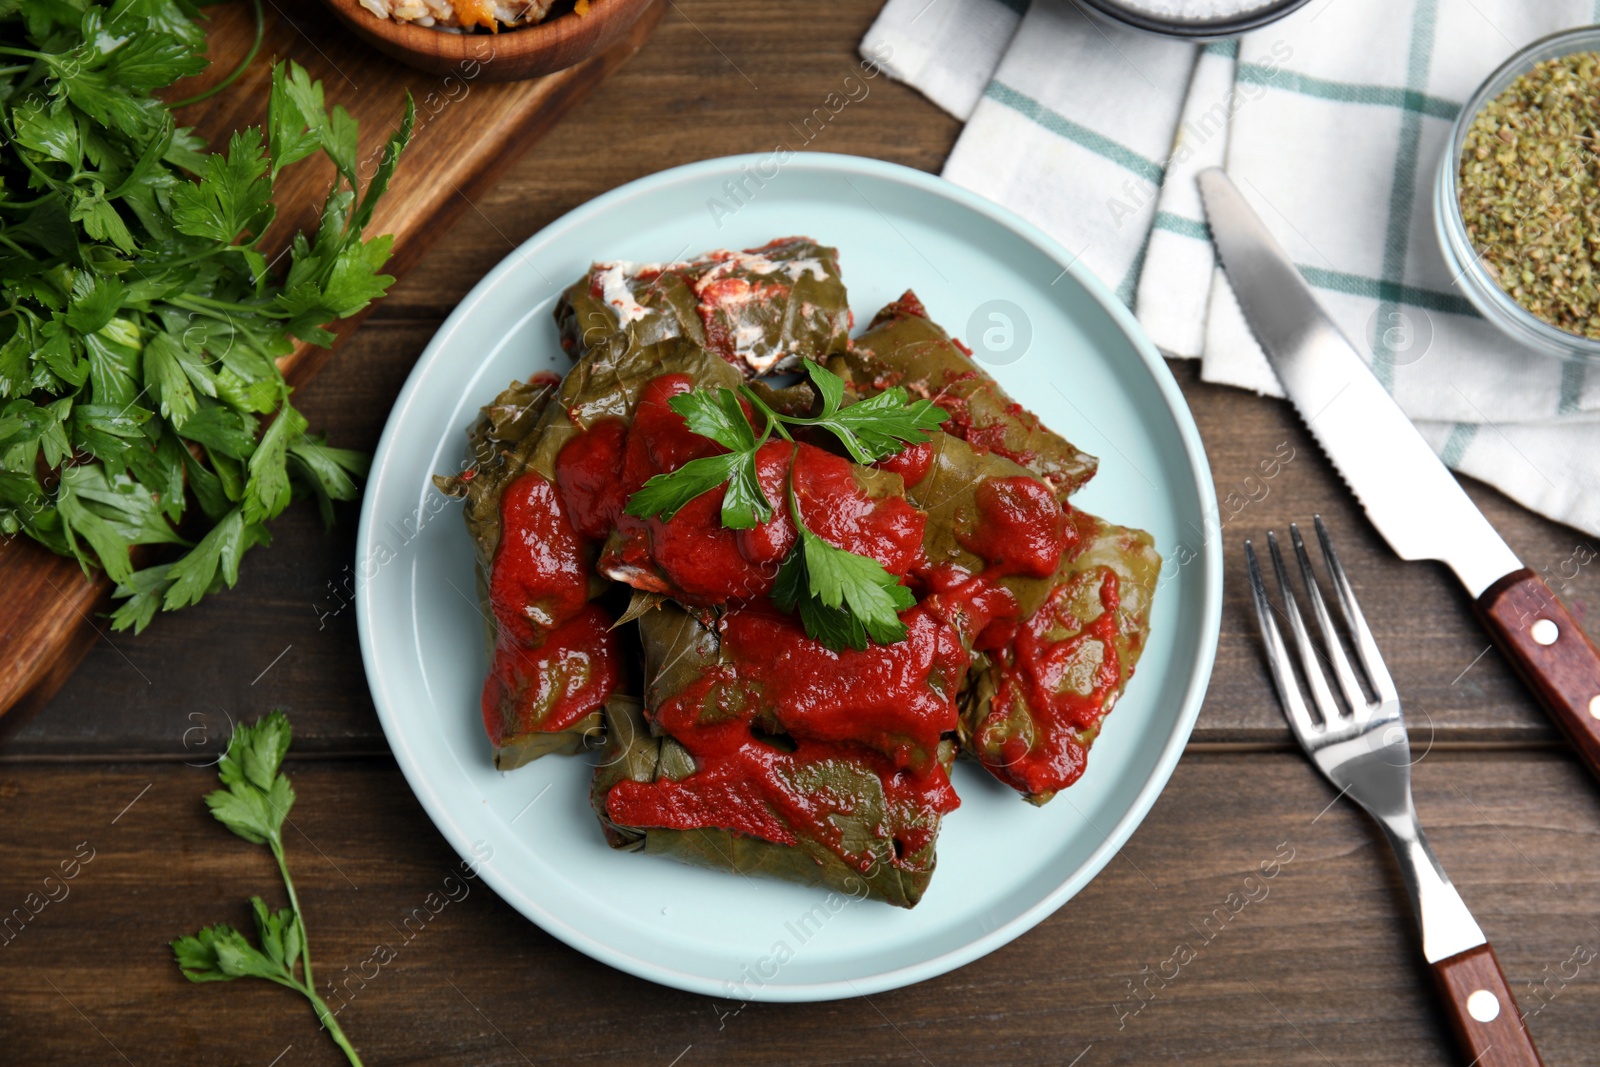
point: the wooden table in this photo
(1324, 969)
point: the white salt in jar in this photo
(1199, 20)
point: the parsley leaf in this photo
(255, 804)
(329, 473)
(289, 127)
(220, 953)
(744, 505)
(843, 598)
(874, 428)
(234, 196)
(666, 494)
(716, 415)
(267, 492)
(211, 563)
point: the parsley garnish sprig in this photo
(842, 598)
(255, 804)
(140, 321)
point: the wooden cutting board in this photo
(468, 131)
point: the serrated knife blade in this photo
(1410, 496)
(1407, 492)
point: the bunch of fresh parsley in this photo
(842, 598)
(255, 804)
(140, 400)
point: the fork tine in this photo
(1294, 707)
(1366, 647)
(1348, 683)
(1321, 695)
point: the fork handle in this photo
(1482, 1011)
(1551, 652)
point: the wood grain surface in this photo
(1324, 969)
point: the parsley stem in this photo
(196, 303)
(294, 904)
(255, 49)
(774, 421)
(309, 985)
(35, 202)
(326, 1018)
(794, 504)
(57, 186)
(163, 264)
(215, 316)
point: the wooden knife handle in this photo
(1551, 653)
(1482, 1011)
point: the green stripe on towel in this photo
(1062, 126)
(1410, 100)
(1391, 292)
(1572, 375)
(1128, 288)
(1402, 189)
(1166, 220)
(1339, 281)
(1455, 446)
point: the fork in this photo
(1360, 745)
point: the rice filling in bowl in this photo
(466, 15)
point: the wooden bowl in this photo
(510, 55)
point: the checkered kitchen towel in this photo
(1332, 121)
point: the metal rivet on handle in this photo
(1483, 1006)
(1594, 706)
(1545, 632)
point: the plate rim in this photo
(1194, 690)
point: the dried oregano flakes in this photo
(1530, 190)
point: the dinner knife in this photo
(1410, 496)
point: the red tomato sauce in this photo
(897, 699)
(586, 475)
(1064, 687)
(555, 657)
(1021, 528)
(975, 605)
(1055, 676)
(911, 463)
(768, 727)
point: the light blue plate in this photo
(1003, 864)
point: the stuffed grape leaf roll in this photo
(1053, 602)
(763, 752)
(553, 657)
(540, 500)
(1034, 705)
(762, 310)
(902, 346)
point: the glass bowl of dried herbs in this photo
(1517, 197)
